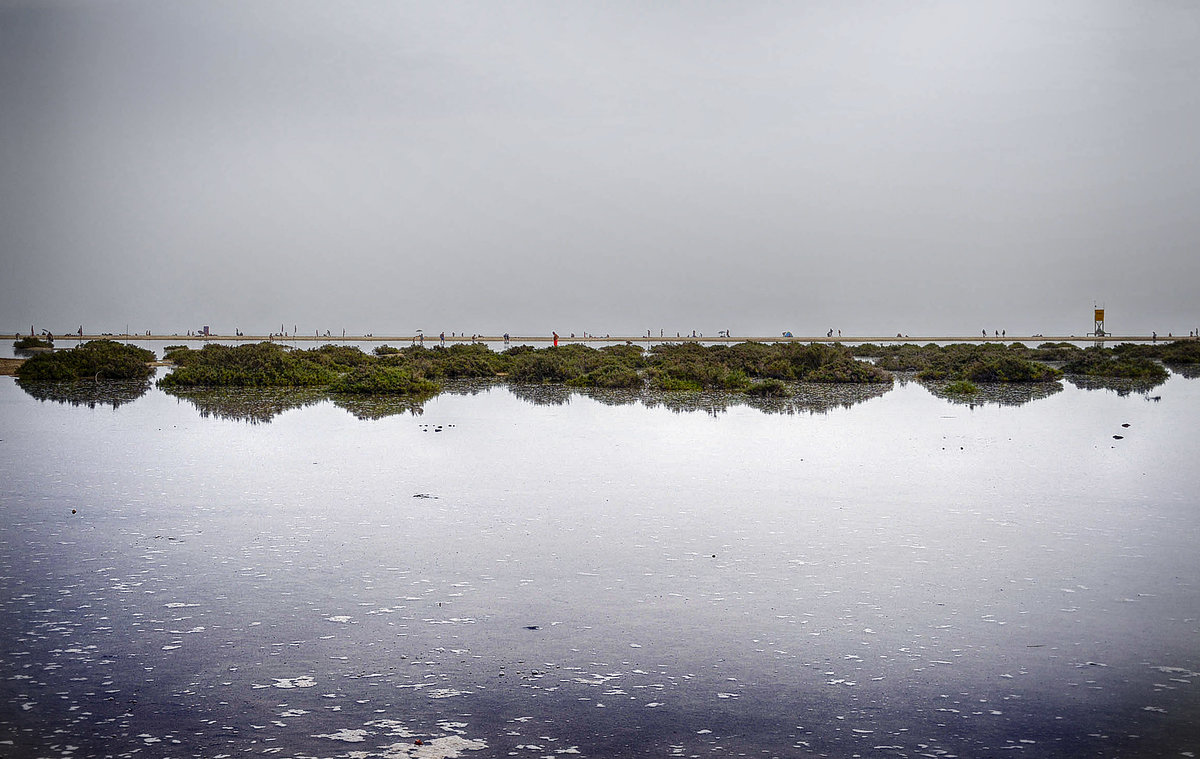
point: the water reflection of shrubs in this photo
(369, 407)
(543, 395)
(800, 397)
(254, 405)
(260, 405)
(90, 393)
(1120, 385)
(993, 393)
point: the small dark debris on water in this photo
(1118, 437)
(1126, 424)
(424, 495)
(533, 627)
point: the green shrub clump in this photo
(384, 380)
(25, 344)
(847, 371)
(1057, 352)
(746, 367)
(1103, 363)
(97, 359)
(721, 367)
(991, 362)
(962, 387)
(1181, 352)
(1008, 369)
(252, 365)
(611, 376)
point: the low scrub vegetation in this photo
(384, 380)
(989, 362)
(94, 360)
(733, 367)
(764, 369)
(254, 365)
(25, 346)
(1098, 362)
(1176, 353)
(760, 369)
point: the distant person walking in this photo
(555, 339)
(443, 338)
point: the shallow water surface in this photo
(535, 572)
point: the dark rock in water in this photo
(1118, 437)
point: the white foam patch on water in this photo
(304, 681)
(338, 618)
(347, 735)
(1177, 671)
(447, 747)
(447, 693)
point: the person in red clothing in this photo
(555, 339)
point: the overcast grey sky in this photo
(875, 167)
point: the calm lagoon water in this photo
(533, 572)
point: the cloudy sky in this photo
(875, 167)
